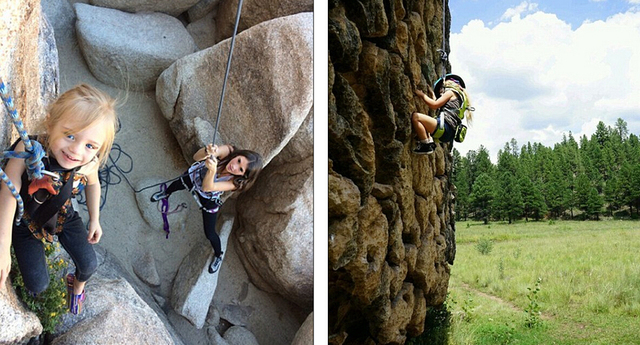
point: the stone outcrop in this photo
(305, 333)
(391, 224)
(274, 222)
(171, 7)
(194, 286)
(18, 324)
(28, 64)
(255, 12)
(115, 315)
(128, 50)
(269, 91)
(237, 335)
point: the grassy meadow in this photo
(558, 282)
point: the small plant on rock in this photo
(51, 304)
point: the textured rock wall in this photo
(28, 63)
(391, 224)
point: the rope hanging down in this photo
(33, 150)
(443, 53)
(226, 74)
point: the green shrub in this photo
(484, 246)
(51, 304)
(533, 309)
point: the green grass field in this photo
(588, 290)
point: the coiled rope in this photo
(33, 150)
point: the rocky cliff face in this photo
(28, 63)
(391, 224)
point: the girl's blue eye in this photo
(91, 147)
(70, 136)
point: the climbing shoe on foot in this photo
(215, 264)
(157, 196)
(74, 302)
(423, 149)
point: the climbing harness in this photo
(163, 208)
(33, 151)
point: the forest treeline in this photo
(595, 177)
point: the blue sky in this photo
(573, 12)
(536, 70)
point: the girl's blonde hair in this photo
(451, 84)
(83, 106)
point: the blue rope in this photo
(33, 150)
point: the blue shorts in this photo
(449, 132)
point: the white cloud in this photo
(533, 77)
(515, 13)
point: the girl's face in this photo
(73, 149)
(238, 166)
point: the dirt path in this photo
(491, 297)
(497, 299)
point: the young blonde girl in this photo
(77, 133)
(442, 127)
(217, 170)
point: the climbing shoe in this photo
(74, 301)
(157, 196)
(424, 149)
(215, 264)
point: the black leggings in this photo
(31, 259)
(208, 219)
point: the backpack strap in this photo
(463, 104)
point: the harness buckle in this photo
(53, 175)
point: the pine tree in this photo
(594, 203)
(482, 196)
(583, 189)
(463, 183)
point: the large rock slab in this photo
(114, 314)
(305, 333)
(18, 324)
(269, 91)
(255, 12)
(238, 335)
(274, 222)
(171, 7)
(129, 51)
(28, 64)
(194, 286)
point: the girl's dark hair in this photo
(254, 166)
